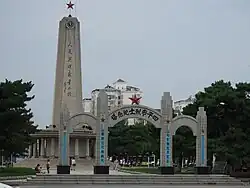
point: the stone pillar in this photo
(30, 151)
(76, 148)
(87, 148)
(47, 152)
(34, 150)
(64, 141)
(45, 147)
(42, 147)
(197, 158)
(101, 164)
(38, 147)
(166, 164)
(201, 142)
(94, 149)
(52, 147)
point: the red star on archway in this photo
(70, 5)
(135, 100)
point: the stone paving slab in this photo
(130, 186)
(89, 172)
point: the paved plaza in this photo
(88, 171)
(125, 186)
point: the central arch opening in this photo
(184, 150)
(134, 146)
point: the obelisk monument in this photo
(68, 79)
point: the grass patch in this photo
(151, 170)
(16, 171)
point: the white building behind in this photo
(87, 105)
(118, 94)
(127, 91)
(114, 98)
(179, 105)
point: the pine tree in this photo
(15, 118)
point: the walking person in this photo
(73, 163)
(116, 163)
(48, 166)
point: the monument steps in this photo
(136, 179)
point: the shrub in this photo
(240, 174)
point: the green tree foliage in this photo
(133, 140)
(228, 113)
(184, 144)
(15, 118)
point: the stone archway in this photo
(77, 120)
(130, 111)
(163, 120)
(126, 112)
(198, 126)
(81, 124)
(183, 120)
(106, 119)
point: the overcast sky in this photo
(179, 46)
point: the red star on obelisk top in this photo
(135, 100)
(70, 5)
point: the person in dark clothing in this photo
(38, 168)
(48, 166)
(244, 166)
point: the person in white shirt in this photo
(73, 163)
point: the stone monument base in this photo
(101, 169)
(166, 169)
(63, 169)
(202, 169)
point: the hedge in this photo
(17, 171)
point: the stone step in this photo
(135, 182)
(131, 177)
(219, 167)
(137, 179)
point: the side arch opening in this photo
(184, 149)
